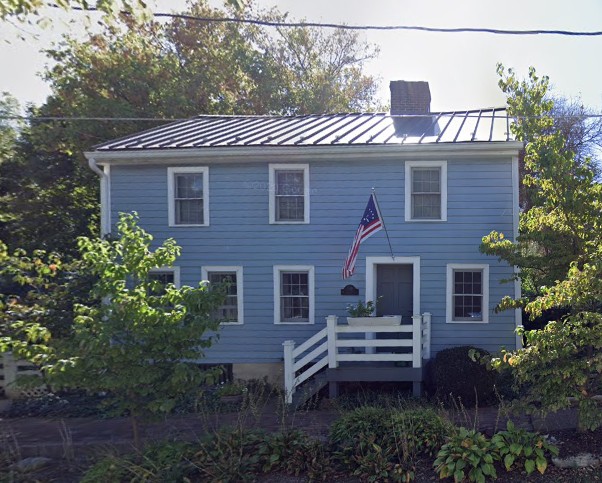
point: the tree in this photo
(142, 344)
(164, 71)
(21, 9)
(559, 254)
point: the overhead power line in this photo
(344, 26)
(273, 23)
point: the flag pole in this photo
(383, 221)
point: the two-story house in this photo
(272, 203)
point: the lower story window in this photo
(230, 312)
(293, 293)
(468, 293)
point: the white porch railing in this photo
(322, 349)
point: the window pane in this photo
(228, 311)
(290, 208)
(189, 185)
(468, 295)
(294, 297)
(289, 182)
(163, 278)
(289, 195)
(189, 212)
(426, 193)
(426, 206)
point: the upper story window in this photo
(231, 311)
(426, 191)
(467, 293)
(289, 193)
(293, 294)
(188, 196)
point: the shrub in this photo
(230, 456)
(163, 461)
(293, 452)
(383, 443)
(424, 430)
(520, 447)
(458, 378)
(467, 454)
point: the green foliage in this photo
(559, 254)
(162, 70)
(162, 461)
(467, 455)
(38, 295)
(381, 444)
(519, 447)
(230, 389)
(140, 345)
(361, 309)
(457, 378)
(21, 9)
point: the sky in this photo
(460, 68)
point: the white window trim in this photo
(175, 270)
(311, 281)
(239, 287)
(272, 190)
(408, 189)
(449, 292)
(171, 205)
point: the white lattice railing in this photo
(322, 349)
(10, 370)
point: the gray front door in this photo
(394, 285)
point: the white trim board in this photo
(371, 264)
(300, 153)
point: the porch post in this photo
(331, 328)
(426, 335)
(289, 371)
(416, 340)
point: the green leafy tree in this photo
(142, 344)
(559, 254)
(22, 9)
(176, 69)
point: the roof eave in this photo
(252, 153)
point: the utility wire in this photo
(418, 28)
(273, 23)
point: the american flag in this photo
(370, 224)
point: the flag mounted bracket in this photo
(350, 290)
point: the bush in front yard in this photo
(459, 379)
(373, 441)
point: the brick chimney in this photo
(410, 97)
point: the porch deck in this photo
(333, 355)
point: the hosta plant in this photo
(518, 447)
(467, 455)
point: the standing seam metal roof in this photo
(479, 125)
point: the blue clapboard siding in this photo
(479, 200)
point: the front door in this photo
(395, 291)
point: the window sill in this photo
(466, 321)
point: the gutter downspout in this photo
(105, 195)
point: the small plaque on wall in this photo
(350, 290)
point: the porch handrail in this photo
(302, 362)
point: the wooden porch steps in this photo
(357, 373)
